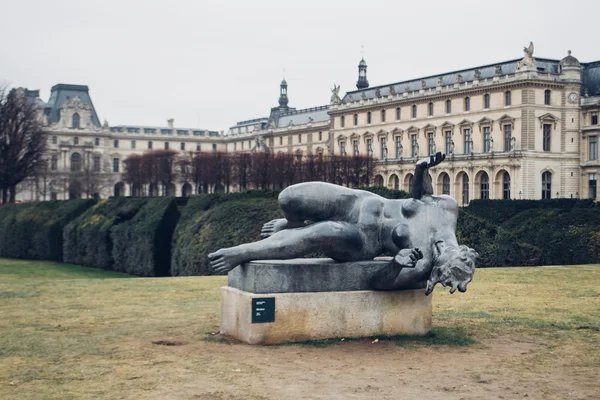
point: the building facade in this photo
(520, 129)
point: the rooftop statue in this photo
(528, 50)
(356, 225)
(335, 95)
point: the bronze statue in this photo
(353, 225)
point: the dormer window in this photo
(76, 121)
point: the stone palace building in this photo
(520, 129)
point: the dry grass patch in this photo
(74, 333)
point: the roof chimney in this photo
(170, 122)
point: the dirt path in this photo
(365, 370)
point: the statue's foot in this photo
(224, 260)
(273, 226)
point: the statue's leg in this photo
(310, 201)
(338, 240)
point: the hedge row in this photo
(500, 211)
(147, 237)
(142, 245)
(34, 230)
(213, 221)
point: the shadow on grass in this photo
(438, 336)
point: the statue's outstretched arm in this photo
(422, 185)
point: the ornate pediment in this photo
(397, 131)
(485, 121)
(367, 135)
(548, 119)
(447, 126)
(465, 123)
(506, 120)
(381, 133)
(354, 136)
(76, 104)
(412, 129)
(429, 128)
(342, 138)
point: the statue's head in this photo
(454, 268)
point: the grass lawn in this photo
(69, 332)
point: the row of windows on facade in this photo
(133, 144)
(484, 186)
(466, 107)
(272, 141)
(467, 143)
(77, 163)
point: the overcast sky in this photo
(209, 64)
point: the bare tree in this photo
(22, 141)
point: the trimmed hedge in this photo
(87, 239)
(210, 222)
(34, 230)
(500, 211)
(496, 246)
(142, 245)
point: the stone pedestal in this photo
(270, 302)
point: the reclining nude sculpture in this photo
(356, 225)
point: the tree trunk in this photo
(4, 195)
(12, 194)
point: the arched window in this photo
(486, 101)
(410, 183)
(398, 113)
(506, 186)
(446, 184)
(355, 119)
(382, 115)
(414, 111)
(484, 187)
(507, 98)
(448, 106)
(76, 121)
(467, 103)
(396, 182)
(76, 162)
(96, 163)
(465, 189)
(430, 109)
(75, 140)
(119, 189)
(547, 97)
(546, 185)
(369, 117)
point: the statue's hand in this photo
(407, 258)
(432, 160)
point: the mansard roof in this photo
(304, 116)
(63, 93)
(590, 78)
